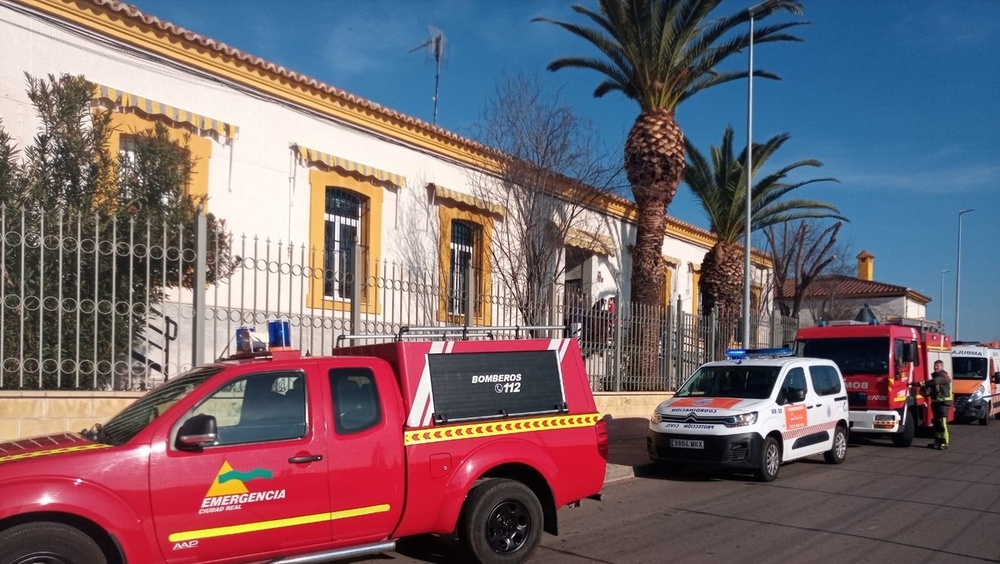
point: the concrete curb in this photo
(618, 472)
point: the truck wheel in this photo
(770, 461)
(48, 543)
(838, 453)
(501, 522)
(904, 438)
(985, 419)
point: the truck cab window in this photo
(355, 400)
(258, 408)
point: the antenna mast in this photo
(435, 46)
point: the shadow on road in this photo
(436, 549)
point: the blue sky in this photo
(899, 100)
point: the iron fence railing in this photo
(93, 303)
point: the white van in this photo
(752, 412)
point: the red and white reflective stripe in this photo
(422, 407)
(798, 433)
(560, 346)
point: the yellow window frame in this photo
(199, 148)
(481, 312)
(371, 226)
(669, 266)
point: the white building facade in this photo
(286, 159)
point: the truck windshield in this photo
(968, 368)
(853, 356)
(122, 427)
(739, 381)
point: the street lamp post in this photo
(942, 295)
(958, 268)
(753, 12)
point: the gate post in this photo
(713, 331)
(618, 339)
(198, 290)
(467, 287)
(679, 368)
(356, 325)
(777, 335)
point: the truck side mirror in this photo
(197, 432)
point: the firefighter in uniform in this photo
(938, 388)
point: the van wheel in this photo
(905, 438)
(48, 543)
(770, 461)
(985, 419)
(501, 522)
(838, 453)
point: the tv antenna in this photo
(435, 46)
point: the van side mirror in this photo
(996, 377)
(795, 395)
(197, 432)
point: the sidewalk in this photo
(626, 451)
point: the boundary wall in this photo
(26, 414)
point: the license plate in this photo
(685, 443)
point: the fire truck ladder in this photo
(922, 324)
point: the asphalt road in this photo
(884, 504)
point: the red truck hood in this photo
(47, 445)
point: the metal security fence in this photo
(683, 342)
(92, 303)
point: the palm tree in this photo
(720, 188)
(660, 53)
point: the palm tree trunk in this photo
(654, 163)
(721, 276)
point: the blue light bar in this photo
(736, 354)
(740, 354)
(279, 335)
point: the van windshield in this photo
(968, 368)
(853, 356)
(738, 381)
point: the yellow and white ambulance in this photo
(976, 373)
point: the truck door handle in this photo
(305, 459)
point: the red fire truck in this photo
(883, 365)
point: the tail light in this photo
(602, 438)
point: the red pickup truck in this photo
(292, 459)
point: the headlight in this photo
(741, 420)
(978, 394)
(656, 418)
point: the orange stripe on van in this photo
(723, 403)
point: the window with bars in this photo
(342, 227)
(127, 164)
(463, 255)
(134, 168)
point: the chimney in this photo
(866, 266)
